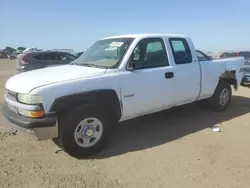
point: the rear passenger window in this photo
(38, 57)
(56, 57)
(47, 56)
(67, 57)
(181, 51)
(52, 57)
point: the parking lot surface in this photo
(175, 148)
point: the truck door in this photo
(187, 73)
(148, 87)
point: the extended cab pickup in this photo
(116, 79)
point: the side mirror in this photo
(135, 56)
(209, 57)
(131, 65)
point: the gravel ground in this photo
(176, 148)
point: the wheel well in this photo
(229, 77)
(107, 99)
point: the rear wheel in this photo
(221, 97)
(83, 132)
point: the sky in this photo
(214, 25)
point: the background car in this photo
(228, 54)
(18, 53)
(12, 56)
(245, 54)
(42, 59)
(202, 56)
(3, 55)
(246, 77)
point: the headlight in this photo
(29, 99)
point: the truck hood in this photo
(25, 82)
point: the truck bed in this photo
(213, 70)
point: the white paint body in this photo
(150, 91)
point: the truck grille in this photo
(12, 108)
(11, 95)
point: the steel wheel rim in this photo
(88, 132)
(224, 97)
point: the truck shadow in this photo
(159, 128)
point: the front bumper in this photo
(43, 128)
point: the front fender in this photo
(107, 98)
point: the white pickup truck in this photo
(116, 79)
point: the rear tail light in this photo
(24, 60)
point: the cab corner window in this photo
(149, 53)
(181, 51)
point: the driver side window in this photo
(149, 53)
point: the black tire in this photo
(68, 124)
(215, 103)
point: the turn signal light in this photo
(32, 114)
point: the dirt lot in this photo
(176, 148)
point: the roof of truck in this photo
(145, 35)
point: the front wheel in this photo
(83, 132)
(221, 97)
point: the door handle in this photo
(169, 75)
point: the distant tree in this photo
(10, 50)
(21, 48)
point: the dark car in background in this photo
(3, 55)
(245, 54)
(246, 77)
(41, 59)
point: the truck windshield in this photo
(106, 53)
